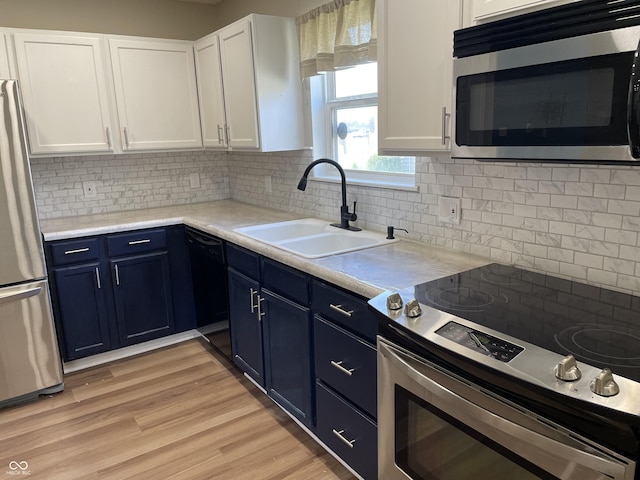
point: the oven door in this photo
(433, 425)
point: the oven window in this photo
(431, 445)
(576, 102)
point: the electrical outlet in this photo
(267, 184)
(194, 180)
(89, 189)
(449, 210)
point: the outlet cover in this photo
(267, 184)
(449, 210)
(89, 189)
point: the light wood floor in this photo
(183, 412)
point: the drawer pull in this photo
(339, 433)
(338, 308)
(138, 242)
(338, 365)
(77, 250)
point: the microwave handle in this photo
(633, 106)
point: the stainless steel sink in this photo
(313, 238)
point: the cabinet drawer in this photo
(285, 281)
(346, 431)
(131, 243)
(347, 364)
(75, 251)
(244, 261)
(345, 309)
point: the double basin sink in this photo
(313, 238)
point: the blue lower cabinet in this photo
(83, 323)
(142, 292)
(348, 432)
(246, 325)
(287, 340)
(110, 291)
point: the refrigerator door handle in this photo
(13, 297)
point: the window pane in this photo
(358, 80)
(358, 150)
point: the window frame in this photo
(324, 106)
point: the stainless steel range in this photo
(502, 373)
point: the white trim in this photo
(392, 181)
(120, 353)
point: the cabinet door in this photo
(246, 325)
(210, 93)
(5, 71)
(415, 64)
(236, 56)
(156, 94)
(142, 293)
(82, 316)
(64, 91)
(287, 339)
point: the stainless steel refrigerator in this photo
(29, 359)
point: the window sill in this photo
(367, 183)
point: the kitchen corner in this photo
(367, 273)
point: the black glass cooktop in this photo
(598, 326)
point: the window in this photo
(350, 113)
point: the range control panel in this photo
(480, 342)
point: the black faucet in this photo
(345, 215)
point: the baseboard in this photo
(124, 352)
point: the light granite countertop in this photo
(366, 272)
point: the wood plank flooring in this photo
(182, 412)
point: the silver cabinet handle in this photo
(108, 138)
(227, 131)
(338, 365)
(220, 140)
(77, 250)
(98, 278)
(338, 433)
(445, 116)
(253, 305)
(117, 275)
(126, 137)
(13, 297)
(338, 308)
(260, 312)
(138, 242)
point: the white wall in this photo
(149, 18)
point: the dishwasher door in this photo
(29, 357)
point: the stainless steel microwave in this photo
(563, 86)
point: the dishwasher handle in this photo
(209, 245)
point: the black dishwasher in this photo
(209, 273)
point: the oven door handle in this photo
(549, 453)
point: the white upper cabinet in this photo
(64, 91)
(485, 10)
(415, 70)
(5, 71)
(156, 95)
(236, 53)
(252, 99)
(210, 94)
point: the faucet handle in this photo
(353, 217)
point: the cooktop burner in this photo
(596, 325)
